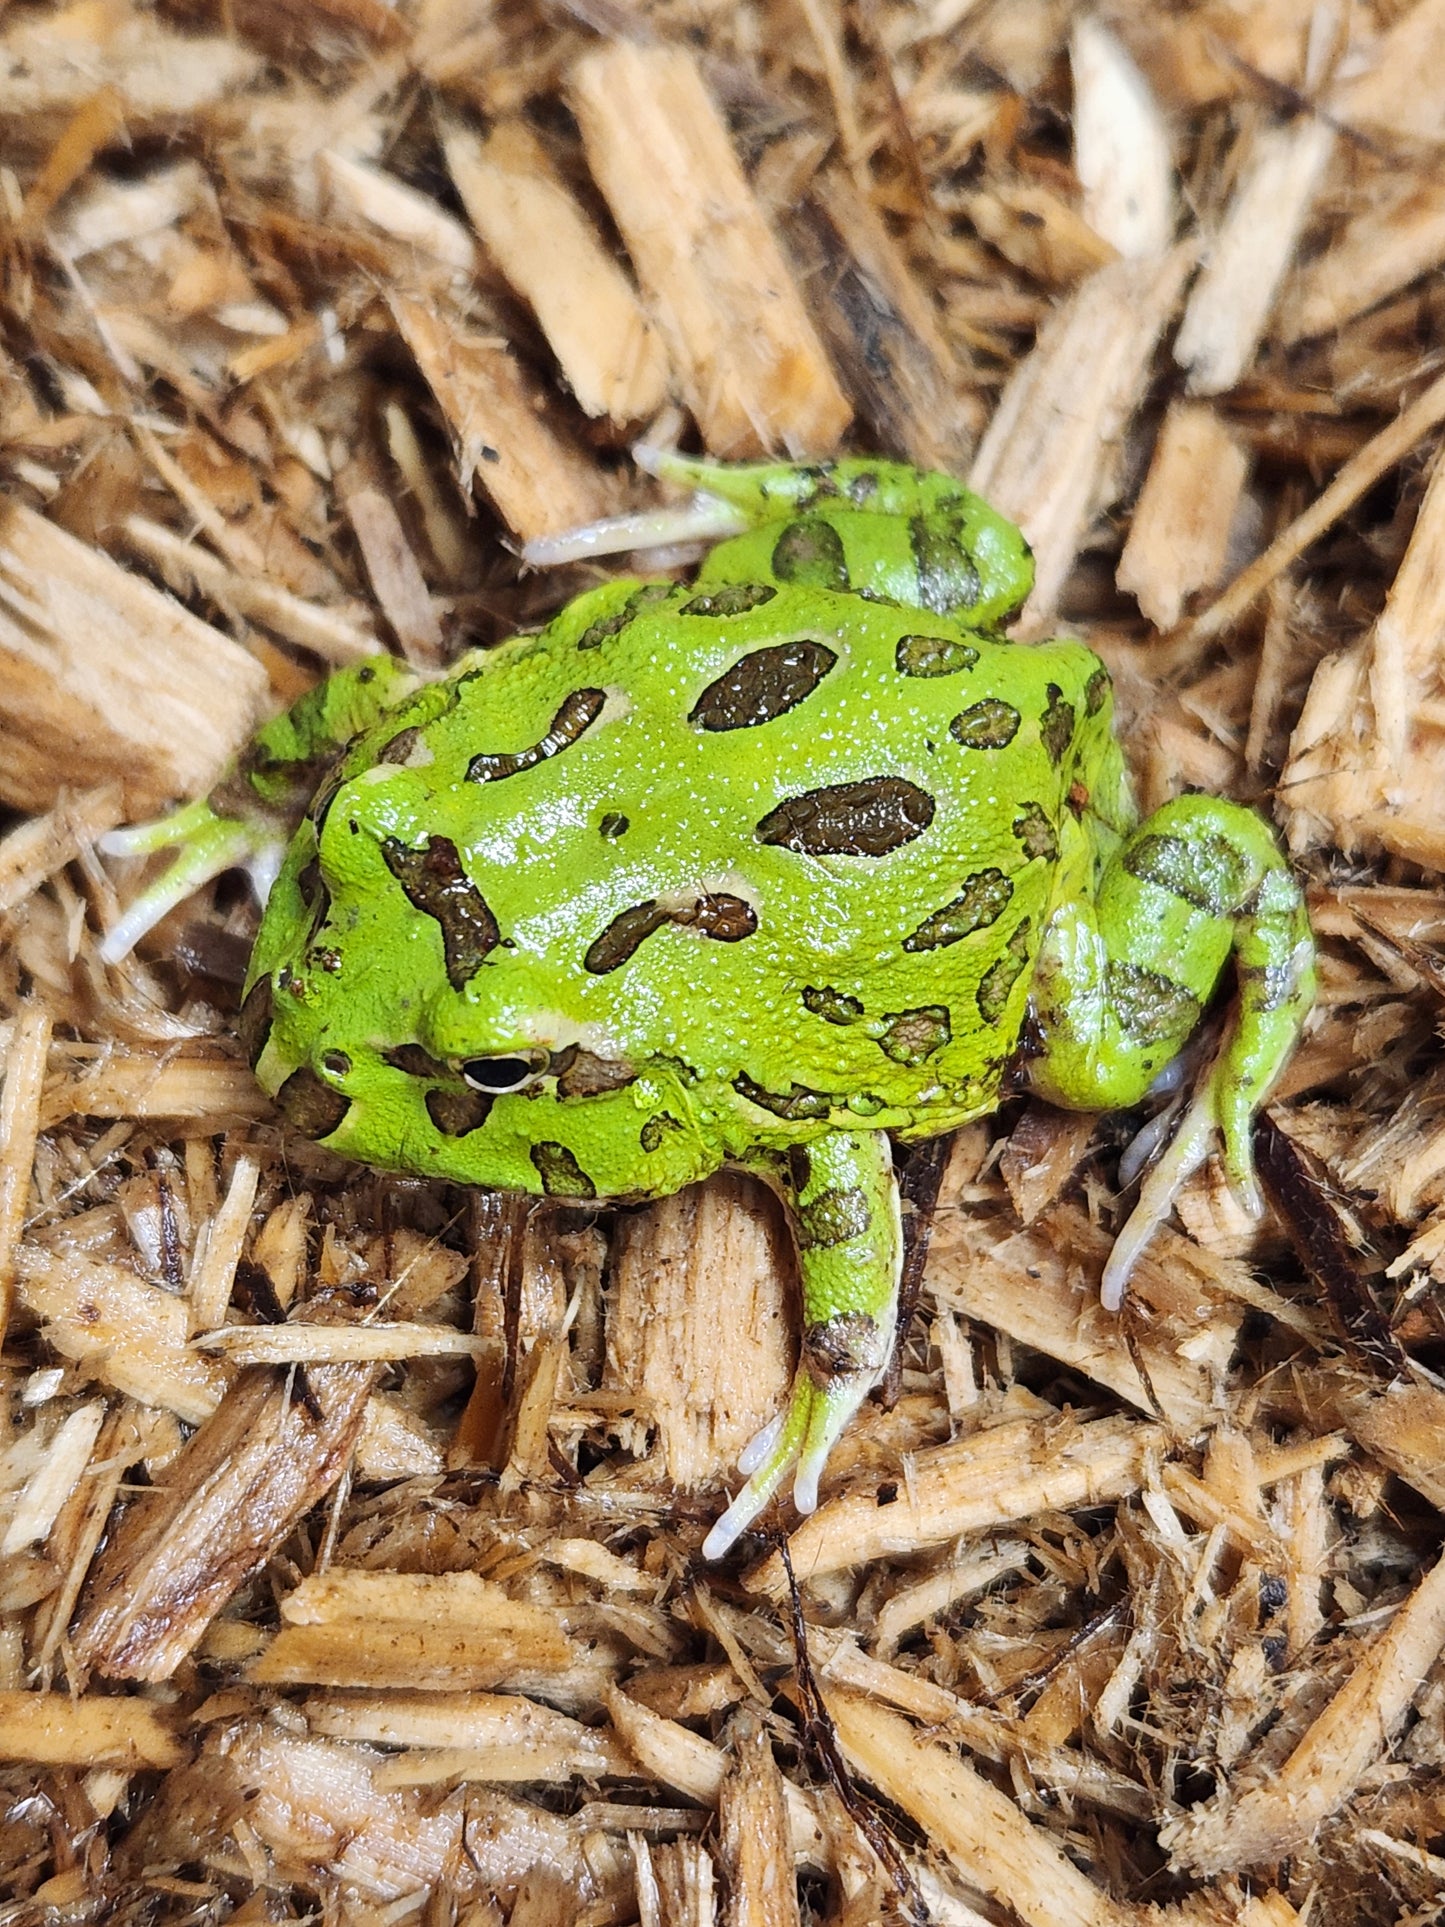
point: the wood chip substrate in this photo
(350, 1524)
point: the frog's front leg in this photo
(248, 818)
(843, 1199)
(1121, 983)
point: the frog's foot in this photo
(1218, 1110)
(206, 844)
(704, 519)
(843, 1360)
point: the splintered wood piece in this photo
(103, 679)
(698, 1322)
(1360, 765)
(34, 850)
(299, 1344)
(605, 345)
(139, 1084)
(157, 74)
(419, 1630)
(24, 1071)
(1041, 1287)
(1397, 236)
(67, 1453)
(477, 1736)
(126, 1333)
(980, 1829)
(990, 1478)
(1121, 144)
(1280, 1815)
(751, 365)
(754, 1837)
(1047, 459)
(1400, 95)
(218, 1247)
(683, 1759)
(1037, 230)
(310, 1802)
(1231, 301)
(61, 1729)
(401, 211)
(1179, 538)
(882, 330)
(230, 1497)
(494, 417)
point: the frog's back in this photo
(799, 842)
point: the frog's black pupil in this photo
(497, 1074)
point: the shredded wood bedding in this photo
(349, 1524)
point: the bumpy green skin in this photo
(756, 871)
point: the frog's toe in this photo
(205, 845)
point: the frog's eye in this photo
(499, 1075)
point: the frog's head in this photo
(446, 1058)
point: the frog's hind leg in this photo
(1121, 983)
(843, 1197)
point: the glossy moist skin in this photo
(761, 869)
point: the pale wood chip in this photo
(499, 435)
(300, 1344)
(683, 1759)
(995, 1476)
(26, 1057)
(157, 74)
(1401, 92)
(103, 679)
(1403, 1426)
(607, 349)
(444, 1631)
(395, 1444)
(219, 1244)
(370, 194)
(473, 1736)
(1229, 307)
(755, 1843)
(127, 1333)
(1038, 231)
(698, 1322)
(34, 850)
(317, 1802)
(980, 1829)
(593, 1561)
(67, 1454)
(966, 1574)
(337, 632)
(1269, 1820)
(751, 366)
(232, 1495)
(392, 568)
(134, 1084)
(63, 1729)
(1121, 145)
(1179, 537)
(1397, 236)
(1047, 458)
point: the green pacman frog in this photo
(771, 870)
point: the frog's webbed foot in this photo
(800, 1438)
(206, 844)
(843, 1200)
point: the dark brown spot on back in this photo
(586, 1075)
(764, 684)
(912, 1036)
(982, 901)
(416, 1062)
(562, 1176)
(730, 599)
(1056, 726)
(577, 713)
(809, 555)
(947, 578)
(850, 819)
(1035, 831)
(436, 884)
(831, 1005)
(655, 1131)
(990, 724)
(1096, 691)
(933, 656)
(456, 1113)
(726, 918)
(399, 749)
(1000, 977)
(309, 1106)
(794, 1104)
(606, 627)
